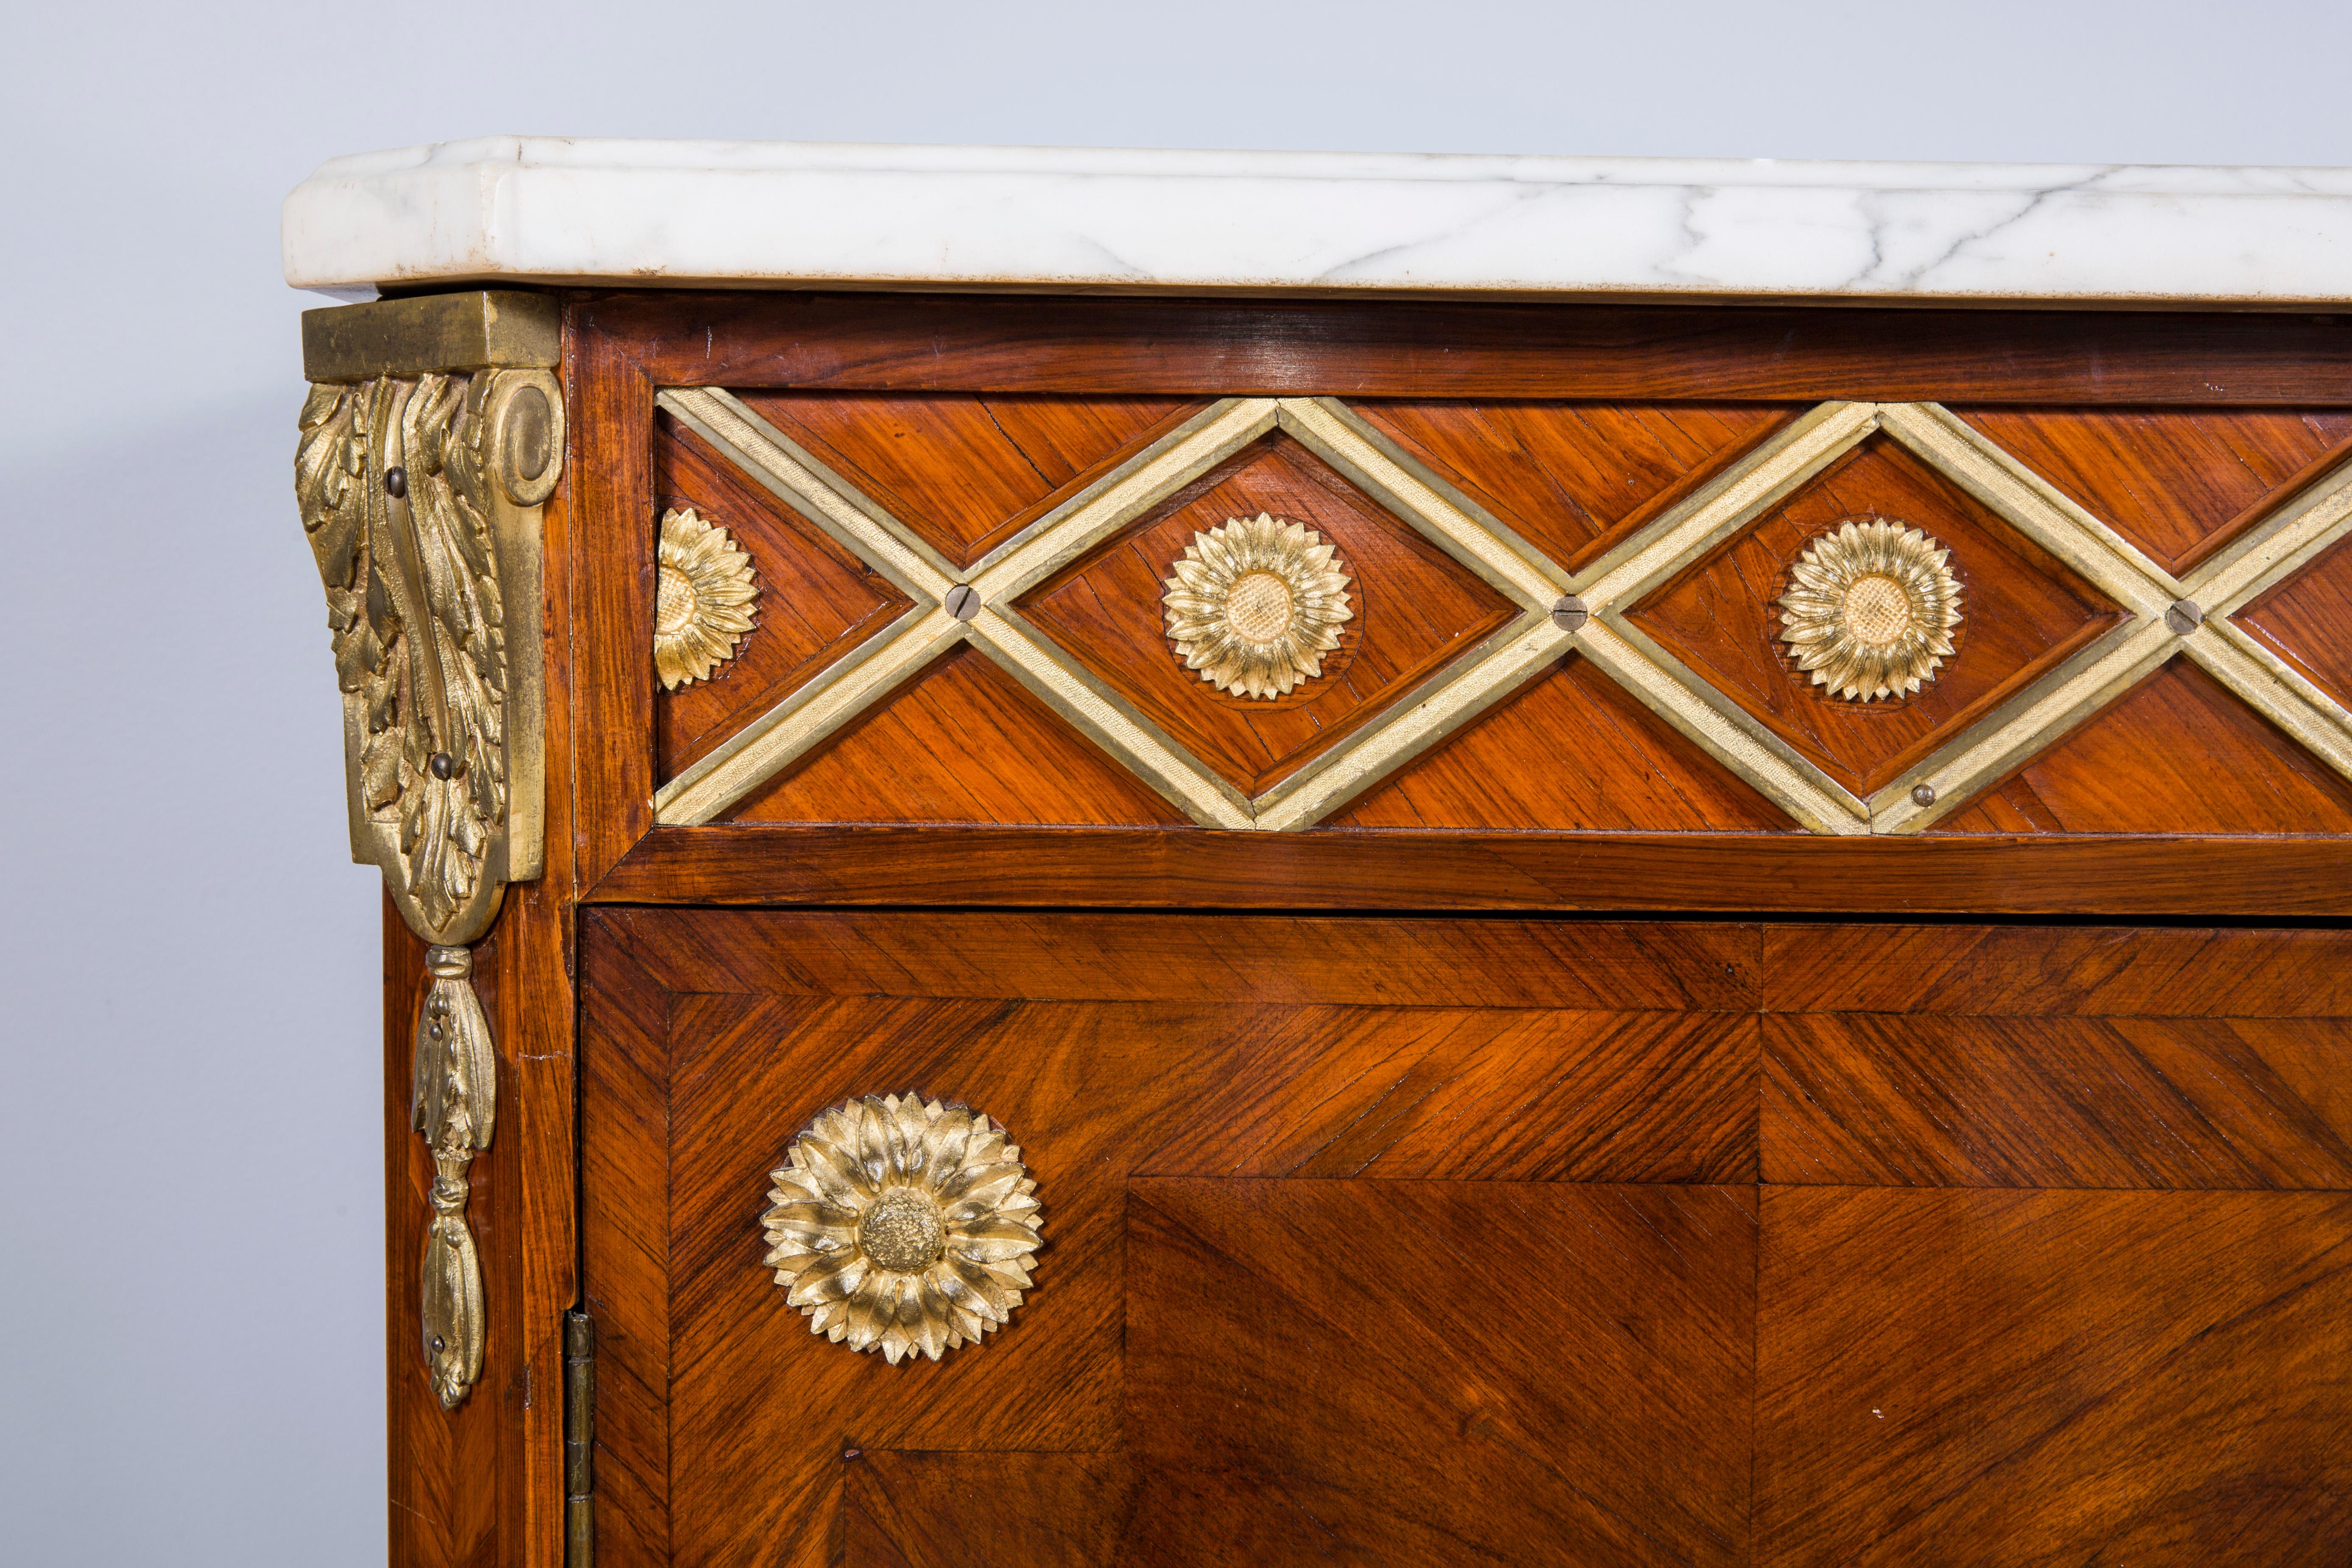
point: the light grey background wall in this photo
(191, 1309)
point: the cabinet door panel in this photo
(1390, 1240)
(1338, 1265)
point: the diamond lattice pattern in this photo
(2066, 615)
(1415, 611)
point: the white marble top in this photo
(754, 214)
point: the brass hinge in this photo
(579, 1435)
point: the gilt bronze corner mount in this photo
(420, 488)
(432, 436)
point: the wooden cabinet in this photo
(1528, 1050)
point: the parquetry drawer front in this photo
(1179, 918)
(1842, 618)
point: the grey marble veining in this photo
(792, 214)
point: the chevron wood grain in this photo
(1576, 479)
(2301, 619)
(967, 472)
(962, 741)
(1889, 1100)
(1961, 1377)
(1296, 959)
(1627, 770)
(918, 1510)
(2179, 483)
(1236, 1121)
(1631, 1445)
(2057, 970)
(1367, 1093)
(2180, 754)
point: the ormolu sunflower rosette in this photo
(902, 1225)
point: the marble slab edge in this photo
(800, 215)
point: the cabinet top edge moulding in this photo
(552, 210)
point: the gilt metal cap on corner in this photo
(481, 328)
(425, 455)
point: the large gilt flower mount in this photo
(902, 1225)
(1256, 604)
(1869, 609)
